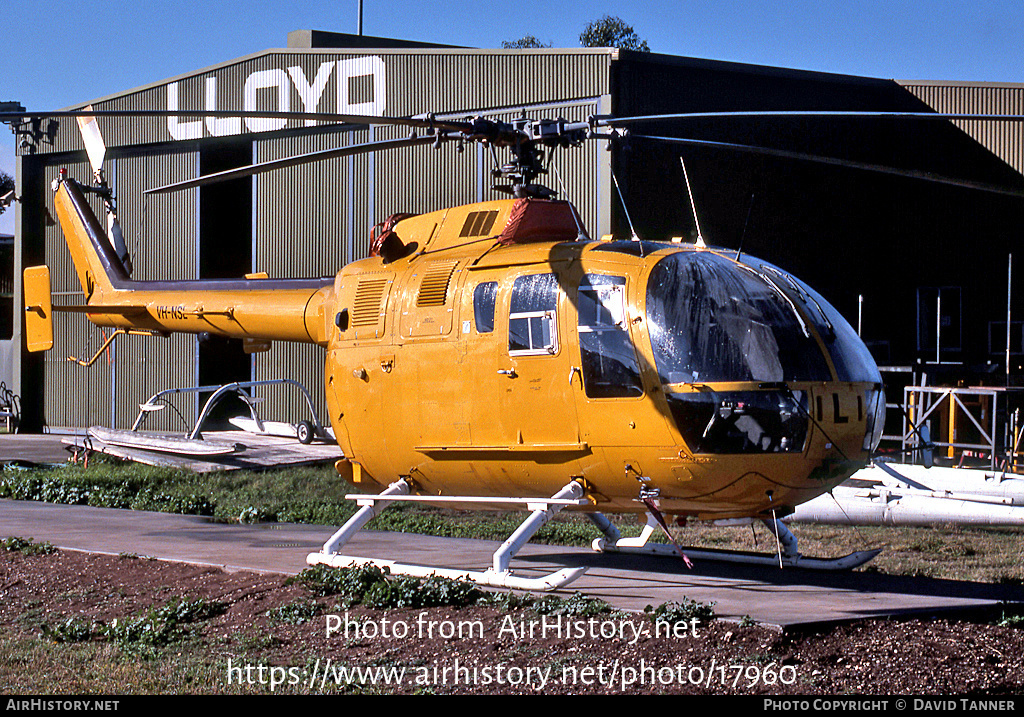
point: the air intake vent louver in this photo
(366, 309)
(479, 224)
(434, 288)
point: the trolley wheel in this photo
(304, 432)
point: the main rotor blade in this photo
(249, 170)
(836, 162)
(606, 121)
(420, 122)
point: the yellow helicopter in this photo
(494, 356)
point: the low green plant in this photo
(1011, 617)
(162, 625)
(375, 588)
(434, 591)
(350, 583)
(507, 601)
(578, 605)
(26, 546)
(682, 612)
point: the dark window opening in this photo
(6, 287)
(225, 251)
(741, 421)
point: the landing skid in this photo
(788, 555)
(499, 575)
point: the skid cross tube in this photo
(498, 575)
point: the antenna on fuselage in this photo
(624, 207)
(693, 207)
(743, 235)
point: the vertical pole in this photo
(360, 22)
(113, 384)
(1009, 274)
(938, 326)
(860, 313)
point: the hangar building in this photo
(884, 249)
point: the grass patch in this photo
(30, 666)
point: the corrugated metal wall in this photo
(304, 219)
(1004, 139)
(84, 396)
(161, 234)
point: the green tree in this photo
(612, 31)
(6, 185)
(529, 42)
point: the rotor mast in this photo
(526, 139)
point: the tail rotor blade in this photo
(93, 140)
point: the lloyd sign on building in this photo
(309, 220)
(355, 86)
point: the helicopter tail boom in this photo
(255, 307)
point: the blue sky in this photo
(84, 50)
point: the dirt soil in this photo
(490, 651)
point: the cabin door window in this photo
(532, 321)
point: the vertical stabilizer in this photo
(98, 267)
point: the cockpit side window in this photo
(484, 296)
(533, 316)
(711, 319)
(610, 367)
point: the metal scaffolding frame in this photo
(924, 400)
